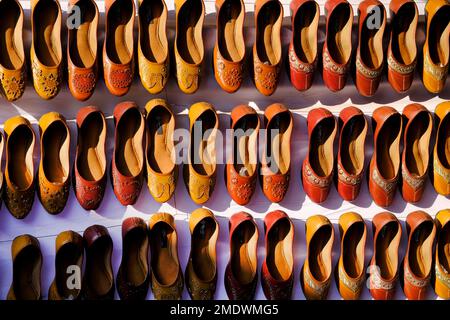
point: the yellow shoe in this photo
(442, 261)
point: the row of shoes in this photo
(165, 276)
(229, 51)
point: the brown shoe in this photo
(133, 276)
(68, 263)
(201, 270)
(166, 274)
(27, 263)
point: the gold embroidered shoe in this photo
(46, 51)
(441, 152)
(441, 281)
(12, 56)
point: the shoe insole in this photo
(305, 32)
(243, 261)
(279, 252)
(10, 56)
(135, 251)
(245, 139)
(321, 156)
(439, 32)
(443, 142)
(416, 154)
(119, 17)
(20, 149)
(164, 260)
(56, 152)
(231, 41)
(443, 247)
(353, 250)
(352, 145)
(189, 46)
(388, 158)
(151, 20)
(128, 159)
(68, 255)
(419, 258)
(46, 41)
(91, 164)
(99, 271)
(81, 46)
(340, 33)
(403, 43)
(319, 258)
(203, 154)
(386, 247)
(160, 140)
(268, 42)
(203, 261)
(27, 274)
(278, 137)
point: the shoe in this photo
(241, 274)
(19, 167)
(303, 45)
(383, 268)
(441, 279)
(318, 166)
(162, 172)
(46, 50)
(133, 276)
(98, 279)
(128, 158)
(12, 55)
(68, 263)
(416, 151)
(370, 52)
(54, 167)
(350, 271)
(419, 255)
(315, 276)
(277, 271)
(153, 48)
(436, 48)
(267, 49)
(275, 175)
(82, 49)
(351, 152)
(200, 172)
(241, 170)
(189, 49)
(337, 49)
(385, 163)
(118, 48)
(229, 50)
(441, 152)
(201, 270)
(402, 50)
(166, 274)
(27, 264)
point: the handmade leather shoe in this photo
(416, 151)
(350, 271)
(441, 279)
(133, 276)
(303, 45)
(201, 270)
(12, 55)
(128, 158)
(241, 274)
(385, 163)
(98, 279)
(402, 50)
(276, 161)
(436, 50)
(19, 167)
(337, 49)
(189, 49)
(27, 263)
(200, 172)
(241, 169)
(54, 167)
(351, 152)
(229, 50)
(441, 152)
(267, 49)
(315, 276)
(46, 51)
(166, 274)
(162, 172)
(370, 53)
(383, 269)
(68, 263)
(153, 48)
(318, 166)
(118, 49)
(82, 49)
(419, 255)
(89, 176)
(277, 271)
